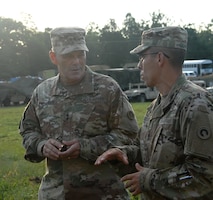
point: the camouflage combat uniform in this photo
(97, 113)
(176, 144)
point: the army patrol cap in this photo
(169, 37)
(67, 39)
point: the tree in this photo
(193, 50)
(205, 38)
(112, 45)
(132, 33)
(93, 44)
(157, 20)
(131, 29)
(38, 48)
(24, 50)
(13, 37)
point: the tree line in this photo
(24, 50)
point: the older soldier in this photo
(176, 139)
(71, 119)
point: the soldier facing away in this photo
(175, 143)
(73, 118)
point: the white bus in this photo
(200, 67)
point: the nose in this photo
(139, 65)
(74, 59)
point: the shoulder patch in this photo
(204, 134)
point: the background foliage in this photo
(24, 50)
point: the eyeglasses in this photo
(142, 56)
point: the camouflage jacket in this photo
(176, 145)
(96, 112)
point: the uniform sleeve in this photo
(122, 125)
(32, 138)
(193, 177)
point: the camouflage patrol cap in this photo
(169, 37)
(67, 39)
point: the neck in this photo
(167, 82)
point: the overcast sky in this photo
(51, 13)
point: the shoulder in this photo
(105, 80)
(194, 97)
(189, 91)
(48, 82)
(47, 86)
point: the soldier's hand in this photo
(112, 154)
(51, 149)
(72, 149)
(132, 181)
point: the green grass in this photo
(18, 176)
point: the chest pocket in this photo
(76, 117)
(65, 120)
(166, 147)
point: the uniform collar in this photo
(163, 106)
(84, 87)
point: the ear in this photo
(53, 58)
(161, 58)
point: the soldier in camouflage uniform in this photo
(176, 139)
(73, 118)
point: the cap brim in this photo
(139, 49)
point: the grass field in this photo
(19, 179)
